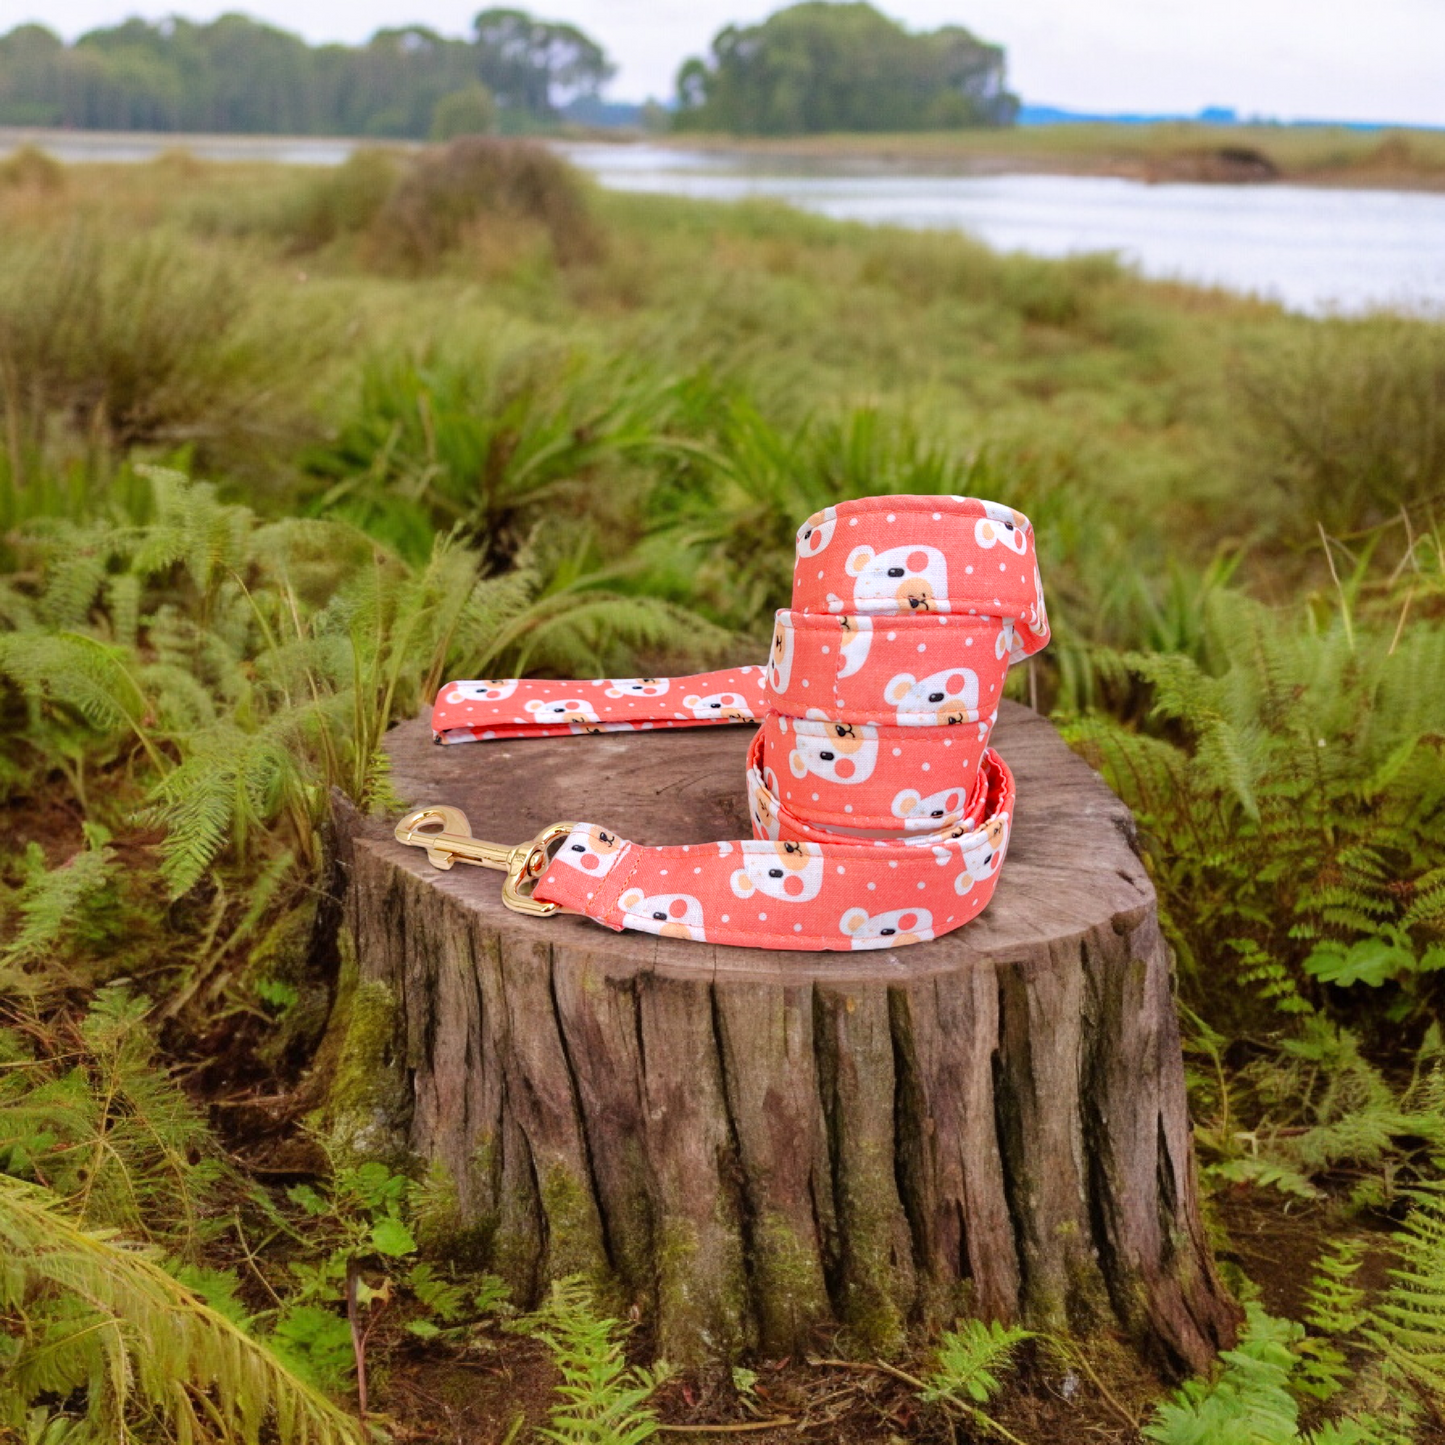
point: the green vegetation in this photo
(826, 66)
(280, 449)
(235, 74)
(1166, 151)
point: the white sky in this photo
(1285, 58)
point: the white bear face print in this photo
(950, 696)
(857, 638)
(1003, 644)
(983, 855)
(638, 686)
(789, 872)
(591, 850)
(780, 657)
(887, 930)
(902, 579)
(815, 534)
(485, 689)
(836, 751)
(673, 915)
(719, 707)
(561, 710)
(937, 810)
(1002, 524)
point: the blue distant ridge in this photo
(1210, 115)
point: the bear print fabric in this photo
(880, 814)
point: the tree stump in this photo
(759, 1148)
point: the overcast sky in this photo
(1284, 58)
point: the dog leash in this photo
(880, 813)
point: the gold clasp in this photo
(446, 835)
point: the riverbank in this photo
(1402, 159)
(1172, 152)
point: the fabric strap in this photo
(880, 814)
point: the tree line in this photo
(814, 67)
(237, 75)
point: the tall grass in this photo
(1345, 422)
(139, 340)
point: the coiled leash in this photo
(880, 814)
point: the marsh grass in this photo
(137, 341)
(344, 201)
(1345, 422)
(30, 168)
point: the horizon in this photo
(1122, 57)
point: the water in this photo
(1313, 249)
(129, 146)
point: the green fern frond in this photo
(970, 1359)
(1247, 1403)
(1408, 1324)
(62, 902)
(604, 1400)
(98, 1311)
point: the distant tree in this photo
(823, 66)
(233, 74)
(537, 66)
(472, 111)
(31, 61)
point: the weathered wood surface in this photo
(757, 1148)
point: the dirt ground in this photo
(501, 1387)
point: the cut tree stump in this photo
(760, 1149)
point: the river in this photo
(1314, 249)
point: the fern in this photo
(1306, 808)
(1248, 1402)
(100, 1123)
(76, 899)
(970, 1359)
(1325, 1106)
(1334, 1309)
(1408, 1324)
(92, 1313)
(250, 667)
(604, 1400)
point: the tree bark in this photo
(758, 1149)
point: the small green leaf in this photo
(423, 1329)
(744, 1380)
(1372, 961)
(391, 1236)
(307, 1198)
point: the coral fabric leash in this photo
(881, 816)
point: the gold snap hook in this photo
(445, 834)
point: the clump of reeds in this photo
(344, 201)
(476, 182)
(31, 168)
(134, 341)
(1343, 420)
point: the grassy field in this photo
(1400, 158)
(281, 448)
